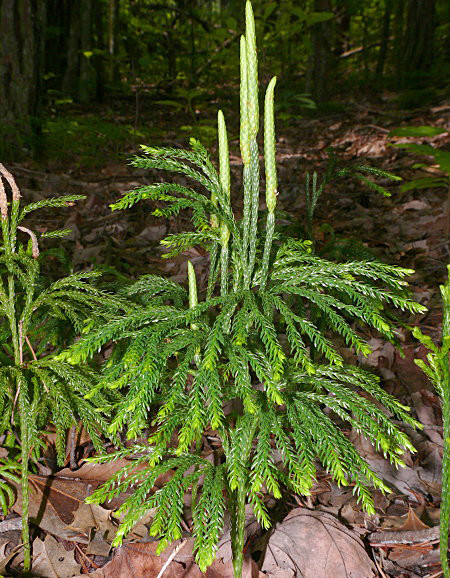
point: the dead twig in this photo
(418, 537)
(172, 556)
(32, 351)
(34, 242)
(91, 562)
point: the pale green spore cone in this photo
(224, 170)
(193, 297)
(244, 138)
(224, 156)
(252, 71)
(269, 148)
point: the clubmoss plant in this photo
(35, 387)
(336, 169)
(438, 372)
(236, 360)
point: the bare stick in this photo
(30, 348)
(171, 557)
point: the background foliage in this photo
(71, 54)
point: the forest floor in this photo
(409, 228)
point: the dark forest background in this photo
(79, 76)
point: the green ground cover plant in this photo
(244, 358)
(37, 320)
(438, 372)
(441, 157)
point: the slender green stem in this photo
(239, 264)
(224, 269)
(238, 530)
(239, 493)
(270, 228)
(25, 450)
(12, 319)
(213, 270)
(247, 213)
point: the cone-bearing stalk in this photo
(245, 151)
(224, 175)
(252, 184)
(271, 176)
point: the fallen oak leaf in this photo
(52, 560)
(6, 559)
(92, 516)
(54, 500)
(404, 523)
(314, 544)
(412, 522)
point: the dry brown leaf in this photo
(15, 557)
(413, 522)
(314, 544)
(54, 500)
(140, 561)
(408, 522)
(52, 560)
(91, 516)
(97, 545)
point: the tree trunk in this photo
(321, 59)
(100, 54)
(22, 26)
(417, 50)
(385, 32)
(343, 23)
(80, 77)
(113, 27)
(70, 80)
(399, 17)
(87, 73)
